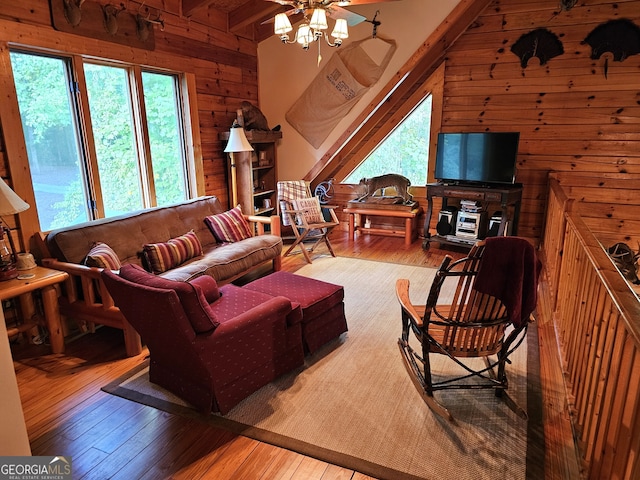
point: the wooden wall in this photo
(608, 203)
(572, 117)
(224, 66)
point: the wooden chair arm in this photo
(72, 268)
(402, 292)
(260, 220)
(90, 280)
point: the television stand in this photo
(509, 197)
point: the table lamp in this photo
(10, 204)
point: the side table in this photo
(44, 279)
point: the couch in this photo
(210, 346)
(85, 298)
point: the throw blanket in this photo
(288, 191)
(509, 271)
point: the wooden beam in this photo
(190, 6)
(253, 12)
(424, 60)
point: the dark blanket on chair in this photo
(509, 271)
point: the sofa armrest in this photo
(209, 287)
(83, 276)
(260, 221)
(85, 297)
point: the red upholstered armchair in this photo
(212, 347)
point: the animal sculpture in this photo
(254, 119)
(398, 182)
(626, 260)
(73, 12)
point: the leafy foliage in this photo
(404, 151)
(63, 180)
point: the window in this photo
(404, 151)
(126, 153)
(49, 122)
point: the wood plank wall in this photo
(608, 203)
(572, 118)
(224, 64)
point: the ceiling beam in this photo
(190, 6)
(252, 12)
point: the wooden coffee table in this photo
(43, 279)
(409, 232)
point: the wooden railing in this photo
(597, 320)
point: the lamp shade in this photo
(340, 30)
(305, 35)
(282, 24)
(318, 20)
(10, 202)
(237, 140)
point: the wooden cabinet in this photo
(505, 197)
(255, 173)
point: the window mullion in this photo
(142, 133)
(90, 166)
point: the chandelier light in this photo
(311, 30)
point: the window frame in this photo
(188, 130)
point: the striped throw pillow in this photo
(229, 227)
(161, 257)
(102, 255)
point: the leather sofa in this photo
(84, 297)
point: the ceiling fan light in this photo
(340, 31)
(319, 19)
(282, 25)
(305, 35)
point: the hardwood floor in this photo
(107, 437)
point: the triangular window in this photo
(404, 151)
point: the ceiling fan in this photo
(314, 13)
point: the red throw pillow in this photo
(161, 257)
(229, 226)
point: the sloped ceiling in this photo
(242, 13)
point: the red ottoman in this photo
(322, 305)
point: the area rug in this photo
(354, 405)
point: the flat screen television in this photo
(485, 158)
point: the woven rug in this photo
(354, 405)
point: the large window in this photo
(404, 151)
(126, 153)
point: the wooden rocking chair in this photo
(472, 324)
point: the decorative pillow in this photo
(191, 296)
(102, 255)
(161, 257)
(229, 226)
(310, 209)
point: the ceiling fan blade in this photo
(290, 13)
(363, 2)
(288, 3)
(352, 18)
